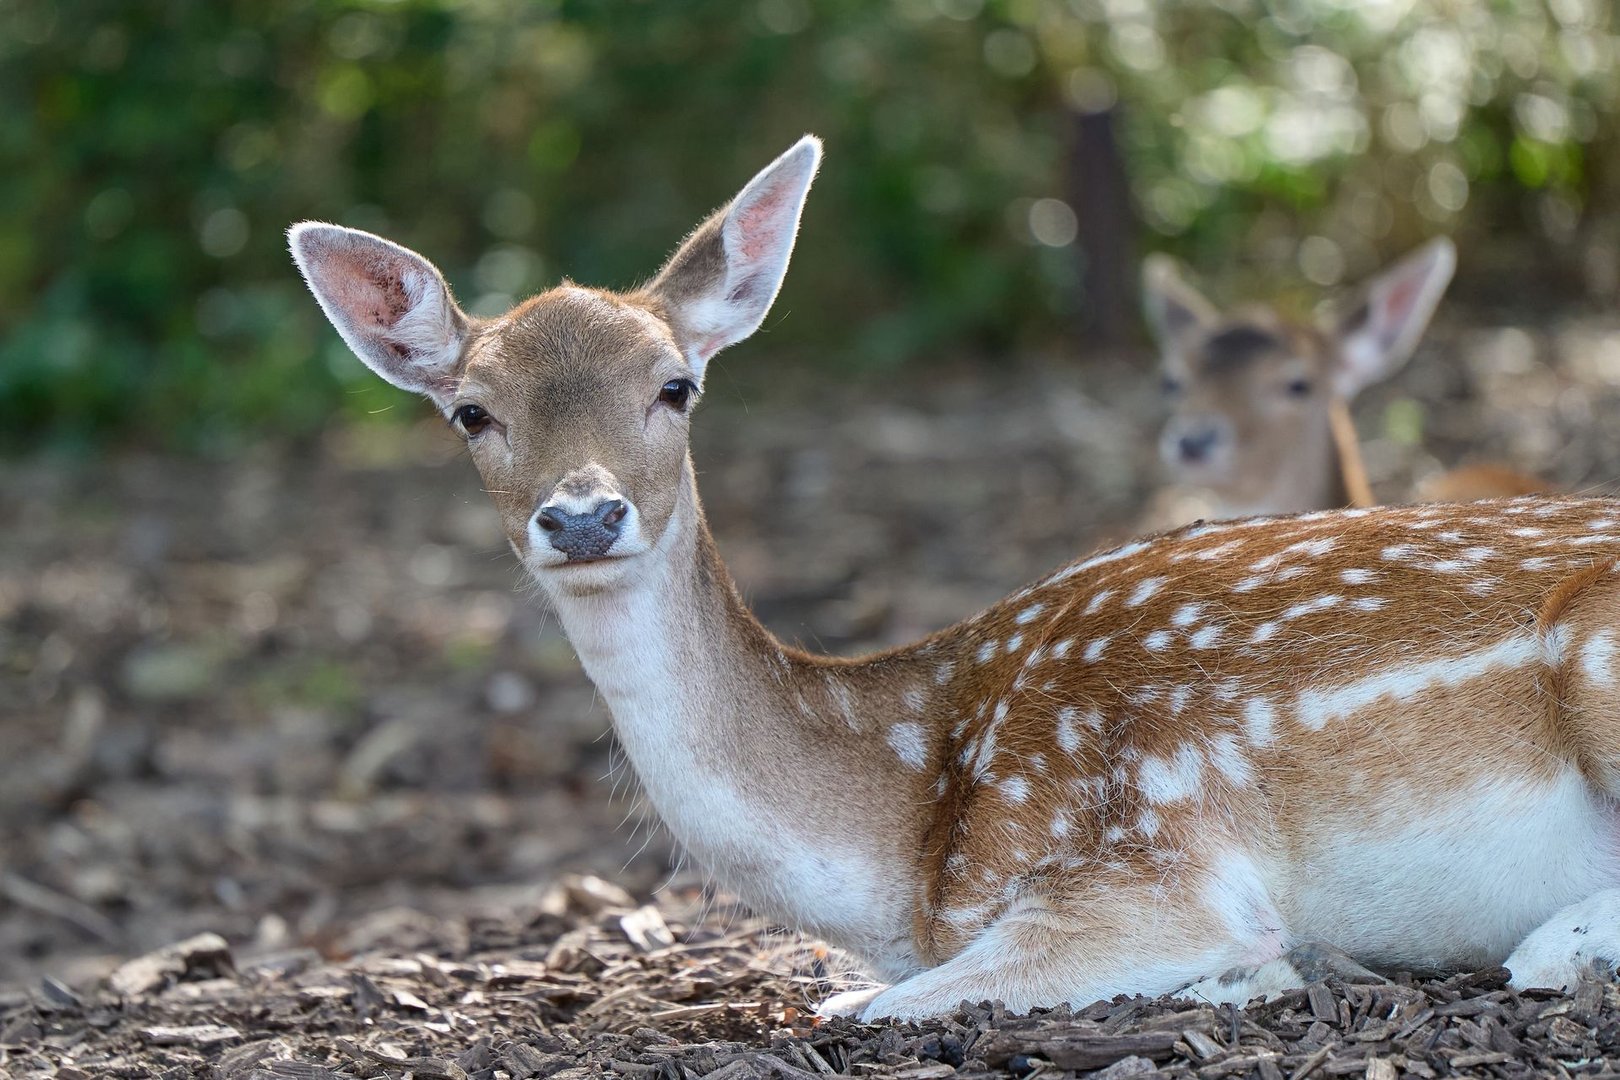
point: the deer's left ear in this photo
(721, 281)
(1379, 334)
(1172, 306)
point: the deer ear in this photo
(723, 278)
(1172, 306)
(1379, 334)
(391, 306)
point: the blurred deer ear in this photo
(390, 305)
(723, 278)
(1379, 334)
(1172, 306)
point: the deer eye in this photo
(472, 419)
(1170, 385)
(1299, 387)
(676, 393)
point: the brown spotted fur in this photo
(1152, 703)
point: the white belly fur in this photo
(1460, 886)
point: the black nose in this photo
(583, 536)
(1196, 447)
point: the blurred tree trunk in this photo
(1100, 193)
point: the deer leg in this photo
(849, 1002)
(1580, 939)
(1306, 963)
(1043, 952)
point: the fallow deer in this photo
(1260, 402)
(1172, 766)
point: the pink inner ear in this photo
(1399, 300)
(756, 223)
(708, 347)
(371, 290)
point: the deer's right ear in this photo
(391, 306)
(721, 281)
(1378, 335)
(1172, 306)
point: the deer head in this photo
(1253, 394)
(574, 404)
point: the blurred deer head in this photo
(1253, 393)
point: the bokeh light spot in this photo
(1052, 222)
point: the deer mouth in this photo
(588, 560)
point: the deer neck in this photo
(1350, 485)
(799, 782)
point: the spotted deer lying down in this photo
(1260, 416)
(1175, 766)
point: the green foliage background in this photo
(152, 152)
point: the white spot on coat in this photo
(1097, 601)
(1316, 708)
(1168, 780)
(984, 754)
(1187, 614)
(1309, 607)
(1144, 590)
(1113, 556)
(1230, 760)
(909, 741)
(1554, 644)
(1068, 736)
(1259, 721)
(1597, 658)
(1313, 548)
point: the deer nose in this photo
(1197, 445)
(582, 536)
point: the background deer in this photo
(1260, 402)
(1170, 766)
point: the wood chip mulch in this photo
(590, 984)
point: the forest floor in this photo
(300, 780)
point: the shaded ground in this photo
(587, 984)
(303, 701)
